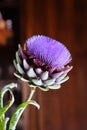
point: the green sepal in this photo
(21, 77)
(31, 73)
(18, 58)
(43, 88)
(55, 86)
(20, 69)
(64, 80)
(37, 82)
(49, 82)
(45, 75)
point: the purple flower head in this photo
(48, 51)
(43, 62)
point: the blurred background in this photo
(63, 20)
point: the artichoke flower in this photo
(43, 62)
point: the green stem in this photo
(31, 93)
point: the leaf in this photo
(16, 115)
(3, 109)
(32, 102)
(5, 122)
(2, 124)
(9, 86)
(18, 112)
(4, 90)
(7, 106)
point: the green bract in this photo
(29, 71)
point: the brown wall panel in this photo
(66, 21)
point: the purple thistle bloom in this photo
(48, 51)
(43, 62)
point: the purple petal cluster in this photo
(48, 51)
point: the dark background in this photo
(66, 21)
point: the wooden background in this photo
(66, 21)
